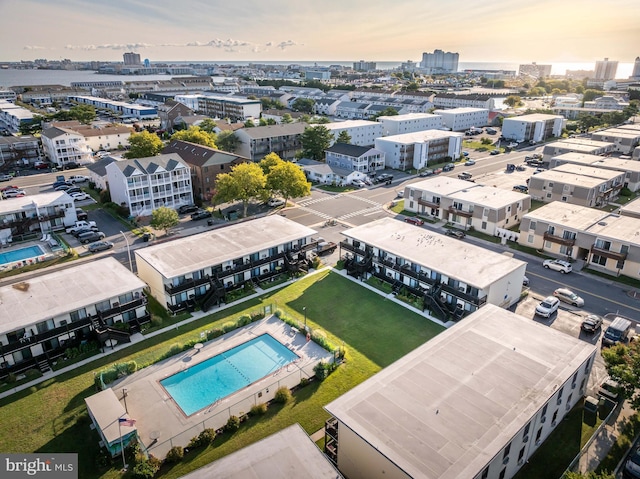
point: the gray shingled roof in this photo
(199, 155)
(151, 164)
(354, 151)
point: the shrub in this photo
(323, 369)
(304, 382)
(257, 316)
(283, 395)
(33, 374)
(145, 469)
(233, 424)
(228, 326)
(258, 409)
(207, 436)
(175, 454)
(105, 196)
(243, 320)
(194, 442)
(156, 321)
(214, 333)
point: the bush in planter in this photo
(175, 454)
(243, 320)
(233, 424)
(258, 409)
(283, 395)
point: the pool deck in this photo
(47, 247)
(161, 423)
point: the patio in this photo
(49, 244)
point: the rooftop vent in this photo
(602, 223)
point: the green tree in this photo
(208, 124)
(388, 111)
(245, 182)
(316, 139)
(249, 124)
(286, 118)
(164, 218)
(269, 162)
(413, 86)
(623, 365)
(195, 134)
(83, 113)
(513, 101)
(304, 105)
(228, 141)
(588, 475)
(143, 145)
(591, 94)
(287, 180)
(344, 137)
(32, 127)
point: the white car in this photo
(568, 296)
(79, 196)
(557, 265)
(78, 179)
(13, 193)
(547, 306)
(359, 183)
(273, 202)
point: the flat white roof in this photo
(534, 117)
(350, 124)
(289, 453)
(448, 408)
(632, 208)
(457, 259)
(419, 136)
(582, 141)
(40, 200)
(618, 133)
(44, 297)
(407, 117)
(192, 253)
(443, 185)
(488, 196)
(460, 110)
(588, 171)
(572, 216)
(618, 227)
(570, 178)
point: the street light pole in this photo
(128, 250)
(304, 309)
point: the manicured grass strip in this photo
(52, 417)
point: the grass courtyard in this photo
(52, 417)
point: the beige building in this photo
(631, 209)
(578, 145)
(625, 140)
(467, 204)
(630, 168)
(605, 241)
(576, 184)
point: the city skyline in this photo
(514, 31)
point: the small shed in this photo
(105, 412)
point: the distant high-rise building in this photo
(131, 58)
(439, 62)
(147, 63)
(636, 69)
(606, 70)
(535, 70)
(363, 66)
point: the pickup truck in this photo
(78, 179)
(80, 225)
(325, 247)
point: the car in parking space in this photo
(414, 221)
(591, 323)
(525, 281)
(91, 237)
(79, 196)
(100, 246)
(200, 215)
(521, 188)
(465, 153)
(83, 230)
(494, 152)
(427, 172)
(81, 214)
(73, 189)
(568, 296)
(275, 202)
(184, 209)
(538, 170)
(548, 306)
(513, 144)
(455, 233)
(62, 186)
(358, 183)
(10, 187)
(78, 179)
(41, 165)
(6, 177)
(70, 165)
(448, 167)
(557, 265)
(13, 193)
(469, 162)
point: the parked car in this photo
(557, 265)
(80, 225)
(548, 306)
(70, 165)
(62, 186)
(73, 189)
(465, 153)
(78, 179)
(91, 237)
(79, 196)
(10, 187)
(510, 168)
(469, 162)
(427, 172)
(465, 175)
(495, 152)
(184, 209)
(274, 202)
(455, 233)
(521, 188)
(513, 144)
(591, 323)
(41, 165)
(200, 215)
(358, 183)
(525, 281)
(448, 167)
(414, 221)
(568, 296)
(84, 230)
(13, 193)
(81, 214)
(6, 177)
(100, 246)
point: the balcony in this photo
(186, 285)
(429, 203)
(122, 308)
(455, 211)
(353, 249)
(608, 254)
(40, 337)
(559, 240)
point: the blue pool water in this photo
(205, 383)
(20, 254)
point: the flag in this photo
(127, 422)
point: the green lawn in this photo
(52, 417)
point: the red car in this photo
(414, 221)
(7, 188)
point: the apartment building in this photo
(170, 112)
(469, 403)
(205, 164)
(19, 149)
(420, 149)
(43, 212)
(465, 204)
(63, 146)
(99, 136)
(354, 158)
(577, 184)
(201, 269)
(453, 278)
(453, 100)
(624, 140)
(410, 123)
(536, 127)
(222, 106)
(605, 241)
(577, 145)
(462, 119)
(43, 316)
(362, 132)
(285, 140)
(13, 115)
(630, 168)
(121, 108)
(144, 184)
(631, 209)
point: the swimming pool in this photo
(20, 254)
(205, 383)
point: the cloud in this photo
(284, 45)
(110, 46)
(33, 47)
(227, 45)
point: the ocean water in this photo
(12, 77)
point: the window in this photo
(484, 225)
(564, 198)
(530, 238)
(526, 429)
(544, 410)
(532, 225)
(521, 454)
(597, 259)
(507, 450)
(538, 435)
(502, 473)
(555, 416)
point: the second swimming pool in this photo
(205, 383)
